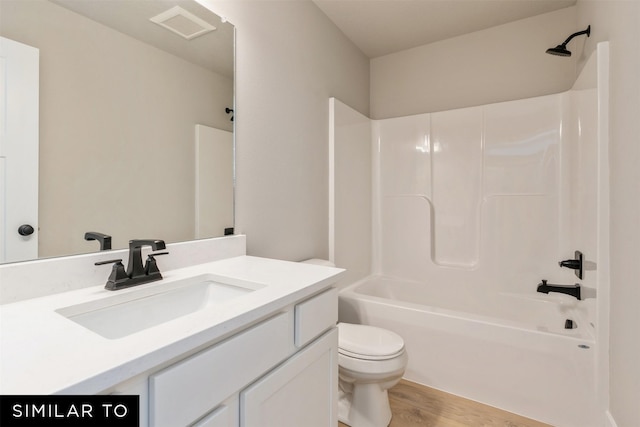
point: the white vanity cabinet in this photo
(281, 371)
(300, 392)
(223, 416)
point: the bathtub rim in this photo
(586, 335)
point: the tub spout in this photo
(573, 290)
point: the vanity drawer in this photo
(184, 392)
(315, 315)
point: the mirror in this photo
(131, 119)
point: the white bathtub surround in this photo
(471, 209)
(477, 195)
(609, 421)
(350, 191)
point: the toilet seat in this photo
(368, 342)
(368, 356)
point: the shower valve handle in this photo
(570, 263)
(575, 264)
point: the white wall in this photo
(289, 60)
(502, 63)
(619, 22)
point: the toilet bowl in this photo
(370, 361)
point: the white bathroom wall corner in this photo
(350, 191)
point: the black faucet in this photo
(573, 290)
(135, 268)
(103, 239)
(136, 273)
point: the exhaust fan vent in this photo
(183, 23)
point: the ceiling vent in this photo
(183, 23)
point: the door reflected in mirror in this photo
(120, 100)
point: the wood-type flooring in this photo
(414, 405)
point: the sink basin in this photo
(124, 314)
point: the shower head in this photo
(561, 49)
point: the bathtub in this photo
(505, 350)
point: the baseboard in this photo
(609, 421)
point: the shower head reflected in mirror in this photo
(561, 49)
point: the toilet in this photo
(371, 360)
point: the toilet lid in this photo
(368, 342)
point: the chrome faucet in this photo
(136, 273)
(573, 290)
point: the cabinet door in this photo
(182, 393)
(300, 392)
(136, 386)
(225, 415)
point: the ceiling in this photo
(380, 27)
(213, 51)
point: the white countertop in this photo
(43, 352)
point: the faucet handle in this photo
(152, 254)
(570, 263)
(118, 274)
(575, 264)
(150, 266)
(111, 261)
